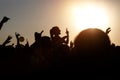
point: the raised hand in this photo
(108, 30)
(67, 38)
(8, 40)
(67, 32)
(9, 37)
(17, 34)
(41, 32)
(5, 19)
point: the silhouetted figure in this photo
(4, 20)
(92, 50)
(37, 37)
(60, 48)
(6, 53)
(41, 51)
(92, 40)
(56, 39)
(19, 39)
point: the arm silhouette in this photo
(7, 41)
(51, 34)
(66, 37)
(17, 37)
(67, 32)
(4, 20)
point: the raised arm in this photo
(4, 20)
(66, 38)
(17, 37)
(51, 34)
(8, 40)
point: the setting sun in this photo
(89, 16)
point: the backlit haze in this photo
(29, 16)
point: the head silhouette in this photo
(55, 31)
(92, 39)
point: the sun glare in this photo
(89, 17)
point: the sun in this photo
(89, 16)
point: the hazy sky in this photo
(29, 16)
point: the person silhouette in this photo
(19, 39)
(92, 39)
(91, 50)
(55, 36)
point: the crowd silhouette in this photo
(91, 51)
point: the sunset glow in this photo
(89, 16)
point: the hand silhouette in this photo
(7, 40)
(41, 32)
(108, 30)
(67, 32)
(5, 19)
(17, 34)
